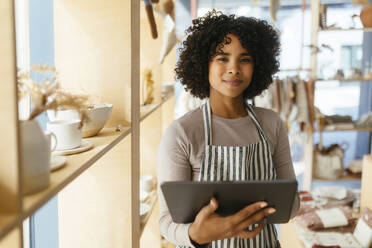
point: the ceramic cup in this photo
(67, 132)
(146, 183)
(52, 140)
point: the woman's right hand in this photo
(209, 226)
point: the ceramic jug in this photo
(35, 151)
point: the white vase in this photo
(35, 150)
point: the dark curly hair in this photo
(208, 34)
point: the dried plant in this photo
(47, 94)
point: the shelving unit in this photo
(100, 47)
(289, 237)
(309, 143)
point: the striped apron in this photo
(239, 163)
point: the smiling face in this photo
(230, 70)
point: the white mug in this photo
(67, 132)
(52, 143)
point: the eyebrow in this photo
(227, 54)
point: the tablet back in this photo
(186, 198)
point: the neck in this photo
(227, 107)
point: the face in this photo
(230, 70)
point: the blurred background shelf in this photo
(346, 29)
(343, 178)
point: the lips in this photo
(233, 83)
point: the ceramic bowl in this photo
(98, 116)
(146, 183)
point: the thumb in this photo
(210, 208)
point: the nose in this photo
(233, 68)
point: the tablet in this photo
(185, 198)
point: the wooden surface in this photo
(7, 223)
(8, 108)
(366, 190)
(135, 229)
(95, 210)
(75, 166)
(93, 51)
(342, 178)
(288, 237)
(12, 240)
(151, 235)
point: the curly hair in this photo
(208, 34)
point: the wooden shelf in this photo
(146, 110)
(343, 80)
(364, 129)
(346, 29)
(76, 165)
(343, 178)
(7, 223)
(153, 200)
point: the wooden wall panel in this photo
(12, 240)
(92, 51)
(94, 210)
(8, 110)
(366, 190)
(151, 132)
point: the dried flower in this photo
(47, 94)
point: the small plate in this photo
(85, 145)
(57, 162)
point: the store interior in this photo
(98, 76)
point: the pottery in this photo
(35, 151)
(67, 133)
(98, 116)
(366, 16)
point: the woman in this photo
(227, 60)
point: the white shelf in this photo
(342, 178)
(346, 29)
(343, 80)
(338, 129)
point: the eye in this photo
(246, 60)
(222, 59)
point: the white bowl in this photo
(98, 116)
(146, 183)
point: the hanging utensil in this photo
(150, 16)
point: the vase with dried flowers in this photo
(35, 145)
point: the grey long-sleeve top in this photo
(182, 146)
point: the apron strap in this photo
(207, 116)
(206, 109)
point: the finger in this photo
(244, 234)
(209, 209)
(247, 211)
(257, 217)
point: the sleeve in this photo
(173, 165)
(283, 162)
